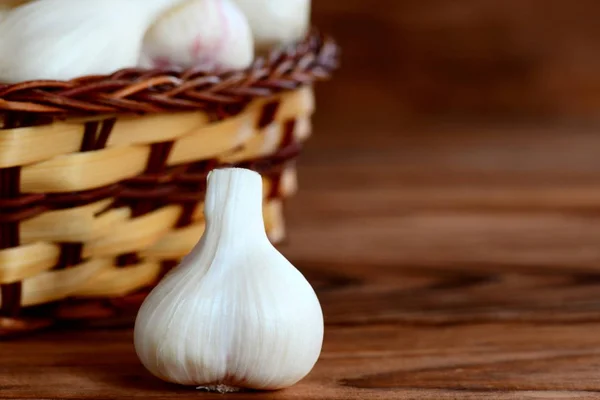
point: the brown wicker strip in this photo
(141, 91)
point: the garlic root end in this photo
(219, 388)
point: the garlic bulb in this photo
(276, 22)
(65, 39)
(199, 33)
(235, 313)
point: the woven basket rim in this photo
(141, 91)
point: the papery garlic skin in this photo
(276, 22)
(66, 39)
(211, 34)
(235, 312)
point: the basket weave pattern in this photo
(102, 178)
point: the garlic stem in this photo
(225, 213)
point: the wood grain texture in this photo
(455, 258)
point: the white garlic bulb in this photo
(235, 313)
(276, 22)
(199, 33)
(65, 39)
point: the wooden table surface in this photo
(455, 258)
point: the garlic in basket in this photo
(276, 22)
(199, 33)
(65, 39)
(235, 313)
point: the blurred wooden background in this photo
(456, 132)
(418, 58)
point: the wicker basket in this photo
(102, 178)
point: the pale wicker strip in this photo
(176, 244)
(298, 102)
(274, 220)
(134, 234)
(24, 146)
(79, 224)
(113, 281)
(84, 171)
(292, 104)
(155, 128)
(198, 214)
(303, 128)
(262, 143)
(288, 183)
(224, 141)
(26, 261)
(56, 285)
(212, 140)
(265, 142)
